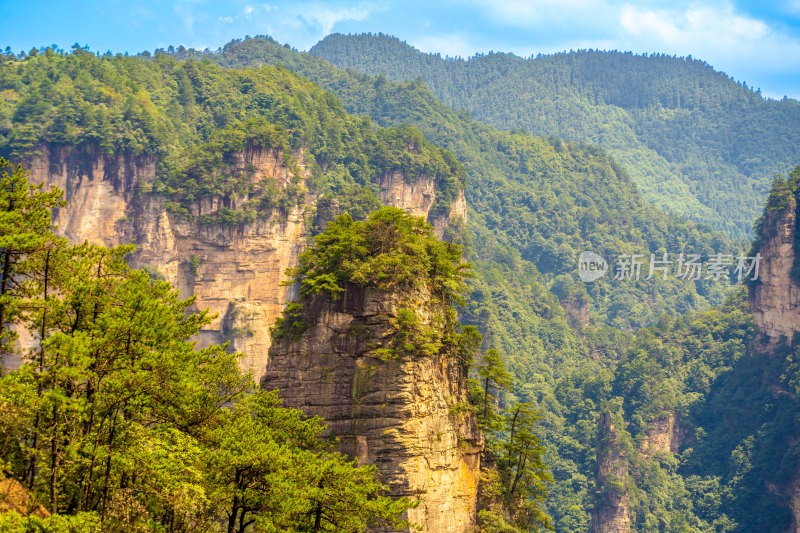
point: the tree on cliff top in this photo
(390, 251)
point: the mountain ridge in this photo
(641, 110)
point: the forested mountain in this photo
(540, 199)
(533, 204)
(696, 142)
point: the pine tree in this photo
(492, 376)
(116, 421)
(25, 220)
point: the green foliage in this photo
(194, 265)
(393, 252)
(205, 124)
(290, 324)
(491, 377)
(116, 422)
(411, 337)
(13, 522)
(696, 142)
(493, 522)
(735, 434)
(674, 364)
(391, 249)
(522, 466)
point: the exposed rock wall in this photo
(418, 197)
(401, 415)
(414, 197)
(663, 435)
(775, 298)
(611, 513)
(235, 272)
(775, 304)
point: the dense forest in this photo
(696, 142)
(559, 353)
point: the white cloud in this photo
(718, 34)
(325, 18)
(448, 45)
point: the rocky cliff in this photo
(663, 435)
(403, 415)
(775, 297)
(234, 271)
(611, 513)
(775, 305)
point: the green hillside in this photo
(534, 202)
(540, 199)
(696, 142)
(193, 116)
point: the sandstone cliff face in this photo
(775, 299)
(235, 272)
(400, 415)
(612, 513)
(775, 305)
(417, 198)
(663, 435)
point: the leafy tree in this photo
(391, 250)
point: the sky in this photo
(756, 42)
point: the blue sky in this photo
(752, 41)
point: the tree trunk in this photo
(318, 518)
(235, 505)
(485, 400)
(42, 330)
(54, 463)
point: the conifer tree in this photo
(25, 220)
